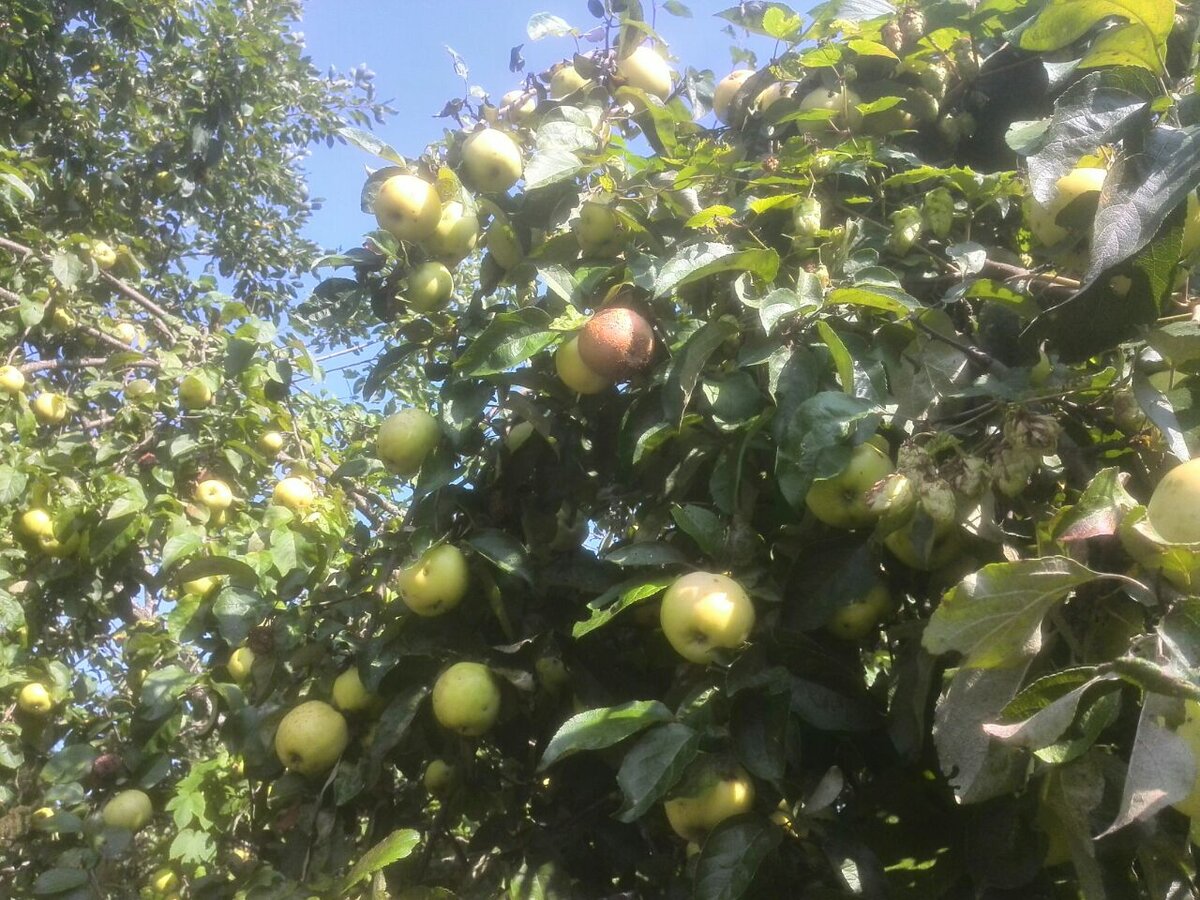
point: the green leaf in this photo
(702, 526)
(841, 356)
(818, 438)
(646, 553)
(510, 338)
(193, 846)
(994, 616)
(502, 549)
(699, 261)
(1099, 510)
(162, 688)
(237, 611)
(396, 846)
(181, 544)
(596, 729)
(618, 599)
(365, 140)
(731, 856)
(653, 765)
(875, 297)
(71, 763)
(1062, 22)
(12, 484)
(544, 25)
(551, 166)
(58, 881)
(690, 362)
(236, 570)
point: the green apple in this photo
(1174, 507)
(139, 389)
(271, 442)
(647, 70)
(844, 500)
(294, 493)
(103, 255)
(771, 94)
(574, 372)
(61, 320)
(854, 621)
(164, 880)
(466, 699)
(598, 230)
(349, 694)
(194, 392)
(311, 737)
(405, 439)
(456, 234)
(439, 777)
(200, 587)
(565, 81)
(552, 673)
(241, 661)
(726, 90)
(429, 286)
(12, 380)
(715, 792)
(130, 809)
(127, 333)
(842, 102)
(518, 106)
(518, 435)
(50, 408)
(704, 613)
(1191, 227)
(35, 699)
(214, 494)
(1043, 218)
(491, 161)
(408, 207)
(36, 523)
(1190, 732)
(435, 583)
(940, 547)
(504, 245)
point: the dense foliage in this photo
(783, 526)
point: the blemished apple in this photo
(1043, 218)
(271, 442)
(435, 583)
(704, 613)
(12, 380)
(215, 494)
(617, 342)
(429, 286)
(598, 230)
(294, 493)
(456, 234)
(574, 372)
(311, 737)
(405, 439)
(241, 661)
(130, 809)
(35, 699)
(194, 392)
(491, 161)
(408, 208)
(716, 792)
(565, 81)
(439, 777)
(645, 69)
(466, 699)
(349, 693)
(726, 90)
(844, 500)
(50, 408)
(854, 621)
(843, 103)
(1174, 507)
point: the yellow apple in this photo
(36, 523)
(311, 737)
(647, 70)
(127, 333)
(241, 661)
(1043, 218)
(565, 81)
(518, 105)
(854, 621)
(294, 493)
(715, 793)
(12, 380)
(42, 815)
(429, 287)
(50, 408)
(103, 255)
(1174, 507)
(408, 207)
(271, 442)
(771, 94)
(456, 234)
(200, 587)
(704, 613)
(215, 494)
(504, 245)
(726, 90)
(598, 230)
(130, 809)
(349, 694)
(435, 583)
(842, 102)
(574, 372)
(843, 500)
(35, 699)
(194, 392)
(439, 777)
(139, 389)
(491, 161)
(61, 320)
(164, 880)
(405, 439)
(466, 699)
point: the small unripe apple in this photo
(200, 587)
(854, 621)
(844, 500)
(504, 245)
(726, 90)
(456, 234)
(565, 81)
(12, 380)
(103, 255)
(241, 661)
(518, 106)
(139, 389)
(271, 442)
(408, 207)
(127, 333)
(35, 699)
(164, 880)
(1174, 507)
(215, 494)
(36, 523)
(842, 102)
(1043, 218)
(349, 693)
(61, 319)
(194, 392)
(647, 70)
(439, 777)
(435, 583)
(718, 792)
(942, 546)
(129, 809)
(311, 737)
(466, 699)
(491, 161)
(574, 372)
(772, 94)
(598, 230)
(294, 493)
(50, 408)
(405, 439)
(429, 287)
(704, 613)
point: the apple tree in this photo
(799, 504)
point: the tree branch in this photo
(90, 362)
